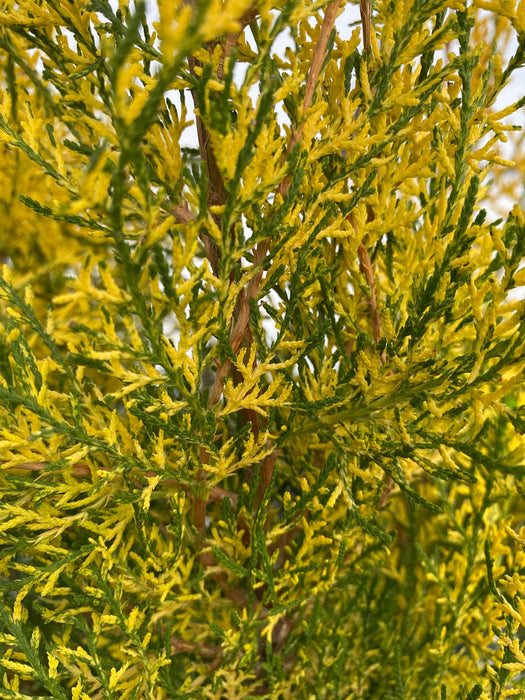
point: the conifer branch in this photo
(367, 270)
(365, 9)
(318, 59)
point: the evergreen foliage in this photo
(261, 416)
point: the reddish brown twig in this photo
(389, 485)
(182, 213)
(241, 323)
(366, 269)
(364, 258)
(80, 469)
(318, 58)
(240, 334)
(365, 8)
(267, 468)
(207, 650)
(365, 263)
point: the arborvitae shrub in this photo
(260, 396)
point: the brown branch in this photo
(215, 197)
(243, 318)
(366, 269)
(389, 484)
(80, 470)
(216, 192)
(318, 58)
(267, 468)
(365, 263)
(215, 183)
(182, 213)
(375, 319)
(37, 466)
(240, 334)
(239, 330)
(365, 7)
(207, 650)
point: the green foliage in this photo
(261, 417)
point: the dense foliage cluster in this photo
(260, 408)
